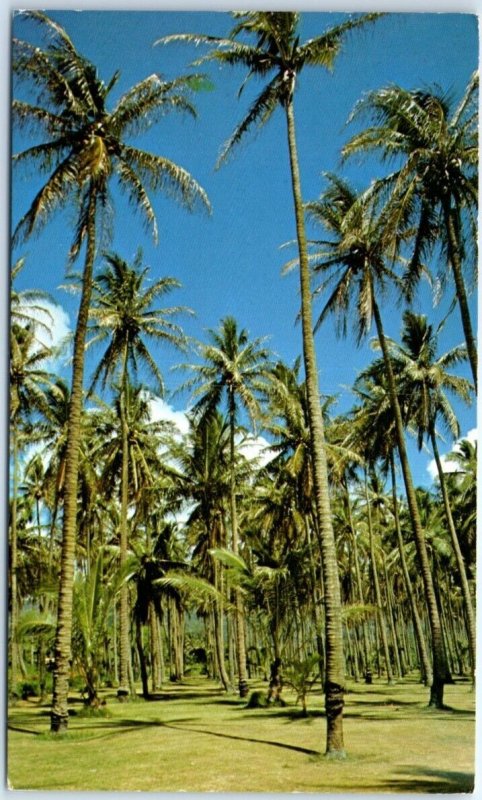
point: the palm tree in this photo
(373, 424)
(436, 184)
(278, 57)
(25, 306)
(355, 260)
(29, 382)
(233, 368)
(123, 313)
(84, 147)
(203, 459)
(423, 379)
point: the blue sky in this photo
(230, 262)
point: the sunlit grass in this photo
(194, 737)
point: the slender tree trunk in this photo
(156, 678)
(63, 638)
(426, 668)
(124, 643)
(469, 609)
(441, 673)
(14, 659)
(335, 678)
(142, 661)
(391, 620)
(376, 586)
(456, 264)
(361, 600)
(218, 631)
(240, 621)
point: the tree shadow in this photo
(431, 781)
(270, 743)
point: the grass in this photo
(193, 737)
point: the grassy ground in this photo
(193, 737)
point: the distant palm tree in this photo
(83, 147)
(424, 380)
(278, 57)
(436, 185)
(233, 369)
(29, 383)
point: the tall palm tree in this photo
(424, 380)
(123, 313)
(83, 146)
(354, 260)
(278, 57)
(233, 370)
(436, 184)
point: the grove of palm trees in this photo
(243, 376)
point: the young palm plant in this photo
(278, 57)
(83, 147)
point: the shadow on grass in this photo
(269, 742)
(116, 727)
(431, 781)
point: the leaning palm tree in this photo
(233, 369)
(424, 380)
(278, 57)
(353, 265)
(83, 146)
(436, 184)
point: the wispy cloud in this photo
(447, 464)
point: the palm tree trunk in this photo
(440, 669)
(62, 651)
(361, 600)
(218, 617)
(456, 264)
(391, 619)
(239, 606)
(335, 678)
(426, 668)
(469, 610)
(124, 645)
(376, 585)
(14, 660)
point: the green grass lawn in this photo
(194, 737)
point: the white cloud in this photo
(257, 448)
(54, 329)
(160, 410)
(447, 464)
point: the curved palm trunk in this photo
(334, 676)
(240, 623)
(376, 585)
(469, 610)
(218, 630)
(456, 264)
(62, 652)
(426, 668)
(440, 669)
